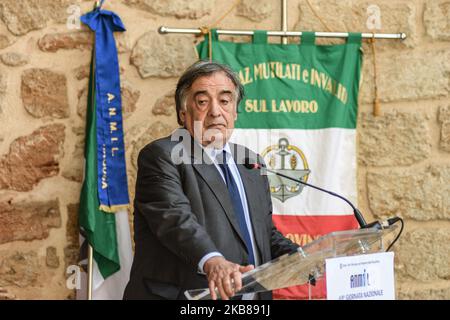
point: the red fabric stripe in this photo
(302, 230)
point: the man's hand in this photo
(224, 275)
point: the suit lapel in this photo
(193, 151)
(214, 180)
(212, 177)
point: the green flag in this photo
(103, 214)
(99, 227)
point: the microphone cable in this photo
(391, 221)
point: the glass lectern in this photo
(307, 263)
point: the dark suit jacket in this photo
(182, 211)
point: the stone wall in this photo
(403, 157)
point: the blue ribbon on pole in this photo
(112, 175)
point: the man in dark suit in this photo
(201, 218)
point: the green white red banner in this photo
(299, 112)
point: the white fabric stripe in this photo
(331, 157)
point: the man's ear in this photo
(182, 115)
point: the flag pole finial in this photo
(98, 4)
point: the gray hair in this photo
(199, 69)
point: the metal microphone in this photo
(362, 223)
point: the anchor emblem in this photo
(285, 158)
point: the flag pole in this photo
(279, 33)
(90, 250)
(90, 268)
(284, 22)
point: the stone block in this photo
(44, 93)
(165, 57)
(256, 10)
(419, 194)
(424, 254)
(165, 105)
(20, 269)
(436, 19)
(28, 220)
(32, 158)
(176, 8)
(393, 139)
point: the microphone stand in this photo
(362, 223)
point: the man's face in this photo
(211, 109)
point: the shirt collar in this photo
(213, 152)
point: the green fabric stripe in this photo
(354, 38)
(308, 38)
(288, 99)
(311, 121)
(259, 37)
(99, 226)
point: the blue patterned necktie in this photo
(237, 204)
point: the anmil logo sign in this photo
(363, 277)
